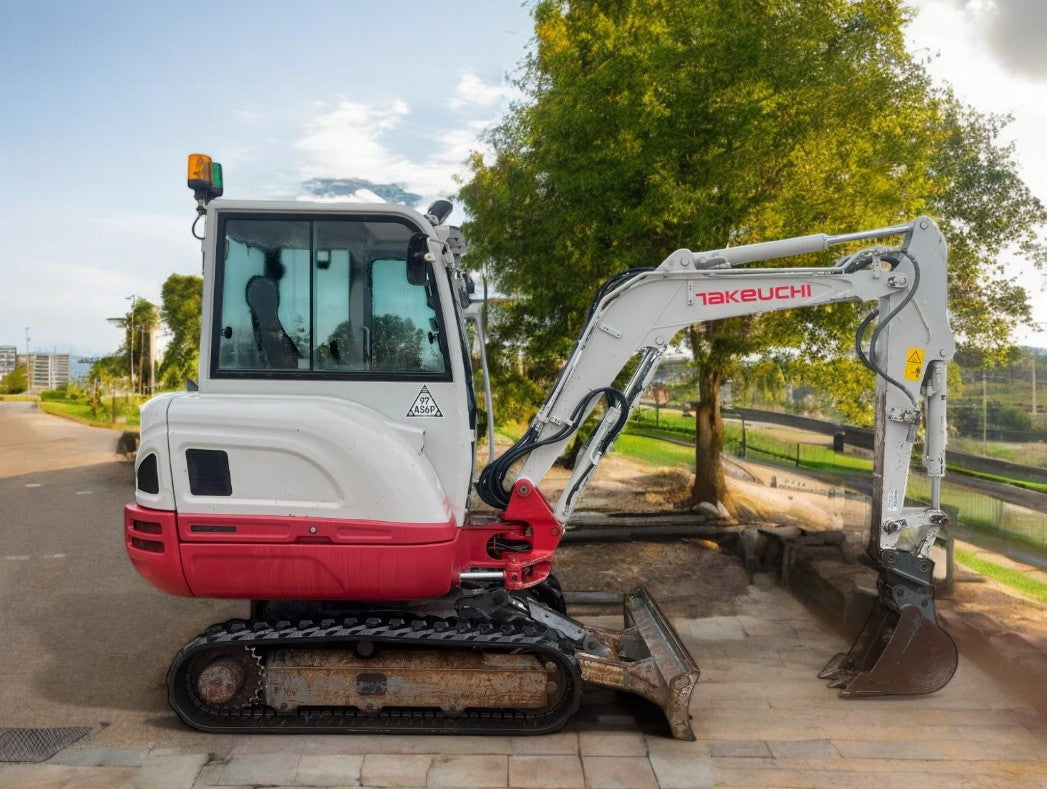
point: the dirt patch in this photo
(686, 577)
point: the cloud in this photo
(1013, 30)
(347, 142)
(1016, 30)
(472, 91)
(388, 144)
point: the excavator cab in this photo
(328, 451)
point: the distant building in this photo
(47, 371)
(8, 359)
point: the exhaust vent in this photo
(208, 472)
(148, 480)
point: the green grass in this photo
(1020, 483)
(1029, 587)
(81, 412)
(653, 452)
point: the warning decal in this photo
(424, 405)
(914, 364)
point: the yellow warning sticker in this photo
(914, 364)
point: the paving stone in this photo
(380, 770)
(331, 770)
(619, 772)
(763, 627)
(62, 776)
(743, 763)
(211, 773)
(363, 744)
(1000, 751)
(745, 748)
(611, 743)
(887, 749)
(171, 771)
(755, 730)
(563, 742)
(100, 757)
(546, 772)
(459, 771)
(262, 768)
(679, 764)
(813, 749)
(827, 779)
(713, 628)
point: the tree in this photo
(16, 381)
(652, 125)
(181, 298)
(135, 357)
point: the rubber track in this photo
(517, 636)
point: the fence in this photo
(972, 507)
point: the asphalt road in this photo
(86, 641)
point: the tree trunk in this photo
(709, 482)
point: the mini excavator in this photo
(323, 464)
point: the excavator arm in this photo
(906, 341)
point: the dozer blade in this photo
(647, 658)
(897, 653)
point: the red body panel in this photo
(319, 572)
(268, 558)
(256, 557)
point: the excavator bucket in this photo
(647, 658)
(899, 653)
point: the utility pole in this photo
(131, 331)
(152, 359)
(1034, 360)
(985, 411)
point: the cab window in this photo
(323, 298)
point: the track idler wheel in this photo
(230, 677)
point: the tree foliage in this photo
(181, 298)
(16, 381)
(134, 358)
(651, 125)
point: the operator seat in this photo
(278, 350)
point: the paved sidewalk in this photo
(761, 716)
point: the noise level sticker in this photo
(424, 405)
(914, 364)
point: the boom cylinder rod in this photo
(787, 247)
(882, 232)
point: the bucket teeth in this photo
(648, 659)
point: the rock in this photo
(708, 509)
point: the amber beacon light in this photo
(204, 177)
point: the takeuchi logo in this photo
(779, 293)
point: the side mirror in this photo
(417, 250)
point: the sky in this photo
(100, 103)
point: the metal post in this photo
(1034, 382)
(131, 328)
(985, 411)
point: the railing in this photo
(972, 507)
